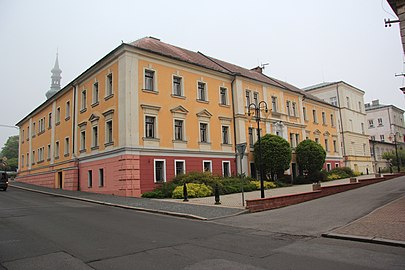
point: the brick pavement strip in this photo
(385, 225)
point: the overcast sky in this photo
(304, 42)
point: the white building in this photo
(351, 122)
(385, 125)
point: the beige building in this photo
(354, 139)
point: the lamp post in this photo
(257, 109)
(396, 149)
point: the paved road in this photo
(46, 232)
(315, 217)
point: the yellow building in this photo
(148, 111)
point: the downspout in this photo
(234, 123)
(341, 125)
(76, 160)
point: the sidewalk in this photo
(385, 225)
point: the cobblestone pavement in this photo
(384, 225)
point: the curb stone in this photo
(365, 239)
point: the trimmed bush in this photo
(154, 194)
(267, 184)
(193, 191)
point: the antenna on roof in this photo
(263, 66)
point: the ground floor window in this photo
(207, 166)
(180, 167)
(90, 178)
(328, 167)
(101, 177)
(226, 168)
(160, 170)
(336, 165)
(253, 172)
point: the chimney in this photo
(375, 102)
(258, 69)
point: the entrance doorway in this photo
(60, 180)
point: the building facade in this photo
(351, 122)
(148, 111)
(386, 128)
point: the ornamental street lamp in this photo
(394, 135)
(256, 109)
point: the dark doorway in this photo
(294, 170)
(253, 172)
(60, 180)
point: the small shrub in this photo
(153, 194)
(317, 177)
(267, 184)
(333, 176)
(301, 180)
(193, 191)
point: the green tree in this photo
(391, 156)
(276, 155)
(310, 156)
(10, 151)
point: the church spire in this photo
(55, 78)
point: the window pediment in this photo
(317, 132)
(94, 117)
(204, 113)
(179, 109)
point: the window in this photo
(304, 112)
(336, 165)
(314, 116)
(33, 130)
(294, 109)
(334, 146)
(67, 112)
(292, 140)
(332, 120)
(149, 79)
(28, 133)
(28, 159)
(364, 149)
(326, 145)
(67, 146)
(180, 167)
(247, 98)
(250, 131)
(41, 125)
(333, 101)
(22, 160)
(57, 118)
(109, 85)
(49, 152)
(178, 130)
(33, 157)
(160, 170)
(89, 178)
(94, 142)
(223, 93)
(95, 93)
(380, 122)
(348, 102)
(22, 136)
(177, 86)
(362, 128)
(226, 169)
(109, 132)
(101, 177)
(202, 92)
(256, 98)
(204, 132)
(83, 100)
(56, 149)
(370, 123)
(225, 134)
(50, 120)
(40, 154)
(83, 140)
(207, 166)
(274, 103)
(328, 167)
(360, 110)
(297, 139)
(317, 140)
(382, 138)
(373, 138)
(149, 127)
(288, 108)
(323, 118)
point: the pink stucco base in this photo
(124, 175)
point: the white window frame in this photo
(228, 139)
(109, 87)
(66, 146)
(57, 149)
(95, 140)
(274, 103)
(184, 165)
(229, 168)
(226, 96)
(90, 178)
(181, 86)
(154, 126)
(328, 167)
(57, 116)
(101, 177)
(154, 80)
(205, 99)
(109, 138)
(96, 94)
(67, 110)
(83, 140)
(83, 100)
(183, 136)
(164, 170)
(207, 161)
(208, 132)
